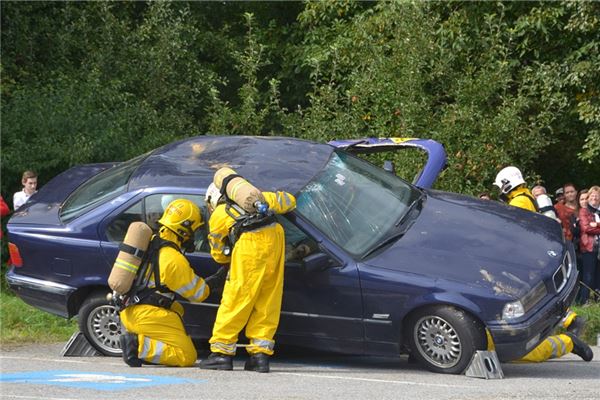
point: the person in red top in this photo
(589, 226)
(4, 211)
(565, 209)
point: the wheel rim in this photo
(105, 329)
(437, 341)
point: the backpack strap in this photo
(140, 292)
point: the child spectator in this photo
(29, 182)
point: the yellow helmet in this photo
(183, 217)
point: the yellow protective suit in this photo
(162, 337)
(521, 197)
(253, 292)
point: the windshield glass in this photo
(355, 203)
(100, 188)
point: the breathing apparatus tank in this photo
(130, 256)
(545, 207)
(239, 190)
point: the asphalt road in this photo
(39, 372)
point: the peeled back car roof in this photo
(270, 163)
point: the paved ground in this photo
(39, 372)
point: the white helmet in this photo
(508, 179)
(212, 196)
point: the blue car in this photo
(374, 264)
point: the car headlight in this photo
(513, 310)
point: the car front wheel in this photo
(99, 322)
(444, 338)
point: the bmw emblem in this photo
(552, 253)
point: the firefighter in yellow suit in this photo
(513, 191)
(156, 334)
(254, 288)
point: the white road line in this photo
(14, 396)
(375, 380)
(55, 360)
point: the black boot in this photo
(219, 361)
(129, 346)
(258, 362)
(576, 326)
(581, 348)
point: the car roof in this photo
(269, 163)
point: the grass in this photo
(20, 323)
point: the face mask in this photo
(188, 246)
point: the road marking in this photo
(13, 396)
(375, 380)
(56, 360)
(96, 381)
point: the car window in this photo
(115, 232)
(297, 244)
(99, 189)
(355, 203)
(149, 210)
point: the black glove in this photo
(217, 280)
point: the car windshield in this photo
(356, 204)
(98, 189)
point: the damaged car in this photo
(375, 265)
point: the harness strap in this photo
(134, 251)
(225, 182)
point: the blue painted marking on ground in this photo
(91, 380)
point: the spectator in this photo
(589, 226)
(567, 208)
(4, 210)
(559, 195)
(543, 201)
(538, 190)
(581, 203)
(29, 181)
(484, 196)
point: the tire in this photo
(444, 339)
(99, 322)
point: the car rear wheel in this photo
(99, 322)
(444, 339)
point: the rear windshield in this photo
(99, 189)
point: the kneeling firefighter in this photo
(246, 234)
(152, 318)
(512, 190)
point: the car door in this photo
(198, 318)
(322, 305)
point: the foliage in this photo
(497, 82)
(21, 323)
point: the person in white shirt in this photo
(29, 182)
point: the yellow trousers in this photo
(161, 335)
(553, 347)
(252, 295)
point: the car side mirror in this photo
(317, 262)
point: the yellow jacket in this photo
(220, 222)
(522, 198)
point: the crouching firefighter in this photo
(253, 242)
(155, 333)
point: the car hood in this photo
(42, 208)
(483, 243)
